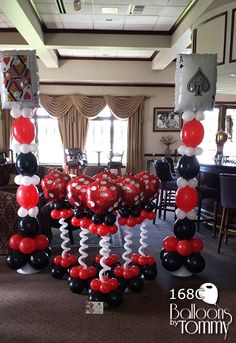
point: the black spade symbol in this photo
(199, 83)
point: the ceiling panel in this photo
(4, 21)
(171, 11)
(73, 18)
(108, 19)
(109, 25)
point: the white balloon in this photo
(182, 272)
(190, 93)
(191, 215)
(18, 179)
(198, 151)
(15, 112)
(181, 149)
(188, 115)
(27, 269)
(25, 148)
(181, 183)
(200, 115)
(16, 148)
(35, 180)
(22, 212)
(193, 183)
(33, 212)
(26, 181)
(189, 151)
(26, 112)
(180, 214)
(33, 147)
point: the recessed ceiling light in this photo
(110, 10)
(233, 75)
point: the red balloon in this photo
(93, 228)
(197, 244)
(105, 175)
(66, 213)
(105, 287)
(184, 247)
(74, 272)
(65, 262)
(98, 258)
(114, 258)
(95, 285)
(113, 229)
(103, 196)
(127, 273)
(92, 272)
(118, 271)
(192, 133)
(132, 190)
(122, 221)
(131, 221)
(170, 243)
(113, 283)
(41, 242)
(55, 214)
(151, 185)
(77, 190)
(14, 241)
(150, 260)
(85, 222)
(103, 230)
(23, 130)
(142, 261)
(186, 198)
(84, 274)
(54, 185)
(27, 196)
(57, 260)
(135, 257)
(135, 270)
(75, 221)
(27, 245)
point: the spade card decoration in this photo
(195, 81)
(19, 79)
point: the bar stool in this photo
(228, 202)
(168, 188)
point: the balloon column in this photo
(195, 92)
(54, 188)
(19, 92)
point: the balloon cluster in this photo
(195, 89)
(97, 202)
(28, 245)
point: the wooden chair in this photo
(115, 162)
(74, 162)
(228, 202)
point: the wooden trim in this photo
(100, 84)
(230, 104)
(8, 29)
(231, 59)
(148, 59)
(225, 33)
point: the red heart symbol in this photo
(27, 96)
(6, 60)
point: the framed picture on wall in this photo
(165, 119)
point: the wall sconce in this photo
(77, 5)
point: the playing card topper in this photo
(195, 82)
(19, 79)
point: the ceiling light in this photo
(77, 5)
(233, 75)
(109, 10)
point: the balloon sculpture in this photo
(19, 92)
(54, 188)
(195, 92)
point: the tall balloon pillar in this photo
(54, 189)
(19, 92)
(195, 93)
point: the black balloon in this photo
(172, 261)
(136, 284)
(96, 296)
(26, 164)
(39, 260)
(110, 219)
(48, 251)
(28, 226)
(162, 252)
(124, 212)
(59, 205)
(16, 259)
(188, 167)
(77, 285)
(98, 218)
(149, 272)
(58, 272)
(135, 212)
(150, 207)
(78, 212)
(114, 298)
(195, 263)
(184, 228)
(88, 213)
(123, 283)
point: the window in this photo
(106, 134)
(50, 149)
(210, 124)
(230, 128)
